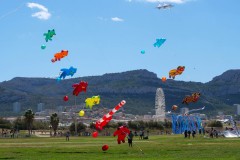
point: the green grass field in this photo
(88, 148)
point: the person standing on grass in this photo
(141, 134)
(189, 134)
(67, 136)
(216, 133)
(185, 134)
(193, 134)
(135, 133)
(130, 138)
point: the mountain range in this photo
(137, 87)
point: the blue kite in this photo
(159, 42)
(49, 35)
(67, 72)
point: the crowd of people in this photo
(12, 133)
(211, 133)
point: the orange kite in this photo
(178, 71)
(59, 55)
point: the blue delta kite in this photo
(159, 42)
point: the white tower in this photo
(160, 105)
(16, 107)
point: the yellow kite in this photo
(90, 102)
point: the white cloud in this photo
(42, 14)
(116, 19)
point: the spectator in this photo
(141, 135)
(200, 131)
(185, 134)
(135, 133)
(67, 136)
(216, 133)
(130, 138)
(189, 133)
(193, 133)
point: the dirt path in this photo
(39, 134)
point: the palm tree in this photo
(29, 117)
(54, 122)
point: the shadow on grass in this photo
(85, 152)
(174, 150)
(7, 158)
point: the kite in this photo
(58, 79)
(81, 113)
(58, 56)
(43, 46)
(164, 79)
(90, 102)
(79, 87)
(108, 117)
(178, 71)
(174, 107)
(105, 147)
(65, 98)
(164, 6)
(49, 35)
(193, 110)
(121, 132)
(142, 51)
(67, 72)
(193, 98)
(95, 134)
(159, 42)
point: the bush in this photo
(5, 124)
(215, 124)
(80, 127)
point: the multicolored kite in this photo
(193, 98)
(178, 71)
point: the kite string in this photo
(134, 143)
(11, 12)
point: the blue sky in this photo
(107, 36)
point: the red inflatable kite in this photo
(108, 117)
(79, 87)
(121, 132)
(105, 147)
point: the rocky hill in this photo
(137, 87)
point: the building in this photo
(40, 107)
(60, 109)
(160, 105)
(147, 117)
(184, 110)
(16, 107)
(237, 108)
